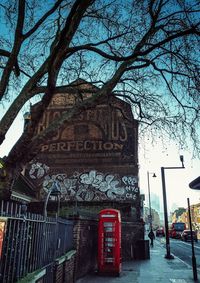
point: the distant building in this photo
(195, 217)
(156, 221)
(155, 202)
(184, 217)
(178, 215)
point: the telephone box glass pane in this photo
(109, 242)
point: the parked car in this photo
(186, 235)
(160, 232)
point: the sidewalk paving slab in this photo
(153, 270)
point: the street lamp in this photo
(195, 184)
(54, 191)
(168, 254)
(150, 214)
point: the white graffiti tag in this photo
(38, 170)
(106, 184)
(92, 178)
(67, 185)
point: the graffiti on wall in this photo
(38, 170)
(88, 186)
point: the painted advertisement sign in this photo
(100, 130)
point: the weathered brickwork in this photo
(93, 160)
(69, 271)
(94, 156)
(64, 270)
(131, 233)
(85, 241)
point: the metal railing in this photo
(29, 242)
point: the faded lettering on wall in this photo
(95, 130)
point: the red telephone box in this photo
(109, 242)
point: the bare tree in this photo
(146, 52)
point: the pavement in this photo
(153, 270)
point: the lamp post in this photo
(194, 265)
(54, 191)
(195, 184)
(150, 214)
(168, 254)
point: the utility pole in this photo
(168, 254)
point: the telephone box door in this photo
(109, 242)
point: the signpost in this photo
(194, 265)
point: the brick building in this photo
(93, 159)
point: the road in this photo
(183, 250)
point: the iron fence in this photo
(29, 241)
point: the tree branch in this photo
(42, 19)
(12, 60)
